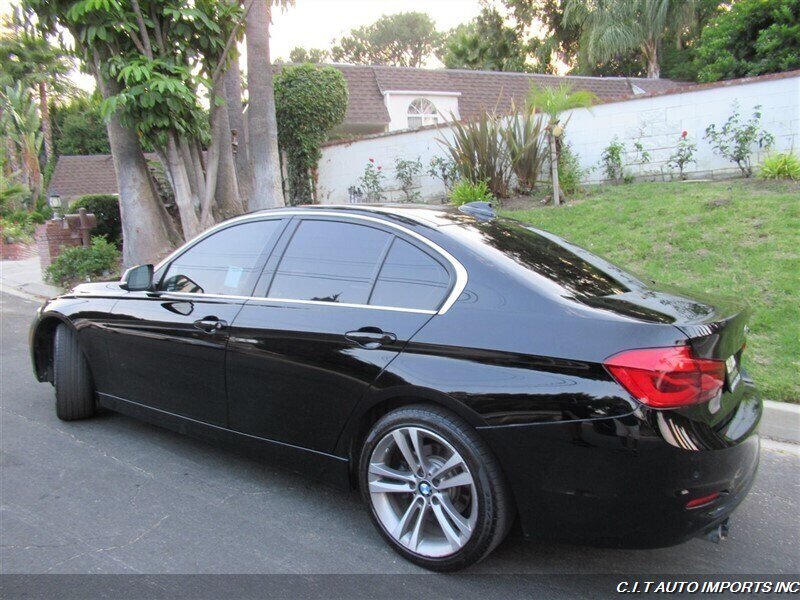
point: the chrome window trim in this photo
(189, 296)
(460, 272)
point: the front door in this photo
(340, 299)
(167, 347)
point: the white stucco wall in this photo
(656, 121)
(397, 103)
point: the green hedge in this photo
(106, 209)
(75, 265)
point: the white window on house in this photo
(422, 112)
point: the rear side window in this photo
(329, 261)
(227, 262)
(577, 273)
(410, 278)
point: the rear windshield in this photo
(579, 273)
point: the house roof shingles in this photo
(478, 90)
(76, 176)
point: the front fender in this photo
(88, 316)
(40, 339)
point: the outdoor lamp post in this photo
(55, 203)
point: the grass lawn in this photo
(738, 238)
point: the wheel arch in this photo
(380, 403)
(42, 344)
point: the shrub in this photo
(735, 139)
(372, 182)
(106, 210)
(37, 218)
(443, 169)
(683, 155)
(784, 165)
(309, 102)
(753, 37)
(406, 173)
(78, 264)
(16, 232)
(525, 143)
(570, 173)
(465, 191)
(480, 153)
(12, 194)
(612, 160)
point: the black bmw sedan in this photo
(464, 371)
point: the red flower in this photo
(684, 134)
(379, 167)
(372, 160)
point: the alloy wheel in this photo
(422, 492)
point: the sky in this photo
(315, 23)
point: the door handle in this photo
(210, 324)
(370, 337)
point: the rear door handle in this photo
(370, 337)
(210, 324)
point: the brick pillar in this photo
(52, 237)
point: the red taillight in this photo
(702, 500)
(667, 377)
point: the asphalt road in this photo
(113, 495)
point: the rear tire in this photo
(445, 512)
(71, 377)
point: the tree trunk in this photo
(554, 166)
(233, 102)
(651, 54)
(184, 198)
(228, 198)
(263, 129)
(47, 126)
(147, 232)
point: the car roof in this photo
(425, 214)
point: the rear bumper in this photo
(619, 482)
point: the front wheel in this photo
(71, 377)
(434, 489)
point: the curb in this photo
(781, 421)
(20, 293)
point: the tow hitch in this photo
(718, 533)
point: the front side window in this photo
(329, 261)
(226, 262)
(422, 112)
(410, 278)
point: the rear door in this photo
(167, 347)
(338, 300)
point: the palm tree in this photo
(611, 27)
(552, 101)
(21, 125)
(27, 55)
(262, 128)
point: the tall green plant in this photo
(613, 27)
(735, 139)
(309, 101)
(480, 152)
(11, 194)
(525, 140)
(552, 101)
(20, 124)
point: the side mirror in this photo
(137, 279)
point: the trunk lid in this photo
(715, 326)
